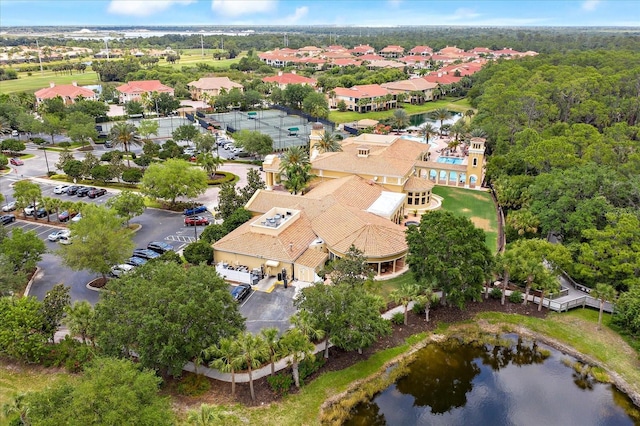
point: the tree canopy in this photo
(172, 179)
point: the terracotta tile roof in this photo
(351, 191)
(364, 91)
(209, 83)
(392, 48)
(309, 49)
(284, 247)
(340, 54)
(312, 258)
(386, 64)
(143, 86)
(410, 85)
(341, 226)
(412, 59)
(345, 62)
(335, 47)
(393, 160)
(363, 48)
(65, 91)
(371, 57)
(290, 78)
(442, 78)
(418, 50)
(414, 183)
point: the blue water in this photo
(417, 139)
(450, 160)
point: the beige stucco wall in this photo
(250, 261)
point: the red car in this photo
(196, 221)
(16, 161)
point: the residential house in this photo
(284, 79)
(133, 90)
(385, 64)
(368, 97)
(416, 89)
(370, 57)
(416, 61)
(209, 87)
(362, 49)
(309, 51)
(392, 51)
(421, 51)
(68, 92)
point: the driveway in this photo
(274, 309)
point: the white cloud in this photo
(142, 7)
(394, 3)
(465, 13)
(300, 13)
(590, 5)
(242, 7)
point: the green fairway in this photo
(37, 81)
(351, 116)
(476, 205)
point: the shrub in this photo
(132, 175)
(280, 383)
(194, 385)
(198, 252)
(495, 293)
(51, 173)
(309, 366)
(64, 144)
(515, 297)
(70, 353)
(398, 318)
(418, 308)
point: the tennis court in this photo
(285, 130)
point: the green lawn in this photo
(351, 116)
(476, 205)
(15, 380)
(194, 56)
(36, 81)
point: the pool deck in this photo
(438, 147)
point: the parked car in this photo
(60, 189)
(240, 292)
(119, 270)
(190, 151)
(136, 261)
(65, 216)
(108, 144)
(9, 207)
(7, 219)
(160, 247)
(96, 192)
(73, 189)
(64, 239)
(15, 134)
(41, 212)
(55, 236)
(30, 209)
(145, 254)
(77, 218)
(16, 161)
(82, 192)
(194, 210)
(196, 221)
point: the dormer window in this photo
(363, 151)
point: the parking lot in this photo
(274, 309)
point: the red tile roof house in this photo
(392, 51)
(278, 57)
(416, 61)
(368, 97)
(133, 90)
(362, 49)
(68, 92)
(411, 87)
(284, 79)
(421, 51)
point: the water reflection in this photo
(507, 382)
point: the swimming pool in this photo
(417, 139)
(450, 160)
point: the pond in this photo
(514, 382)
(417, 120)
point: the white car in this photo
(10, 206)
(119, 270)
(64, 239)
(30, 209)
(77, 218)
(55, 236)
(60, 189)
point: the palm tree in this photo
(79, 319)
(296, 168)
(297, 345)
(272, 340)
(125, 134)
(603, 292)
(225, 358)
(458, 129)
(406, 291)
(328, 143)
(427, 130)
(252, 350)
(205, 416)
(441, 114)
(469, 113)
(478, 133)
(210, 162)
(400, 119)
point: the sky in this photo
(320, 12)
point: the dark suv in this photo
(73, 189)
(82, 192)
(96, 192)
(160, 247)
(145, 254)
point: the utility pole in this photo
(202, 45)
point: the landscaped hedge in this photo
(228, 177)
